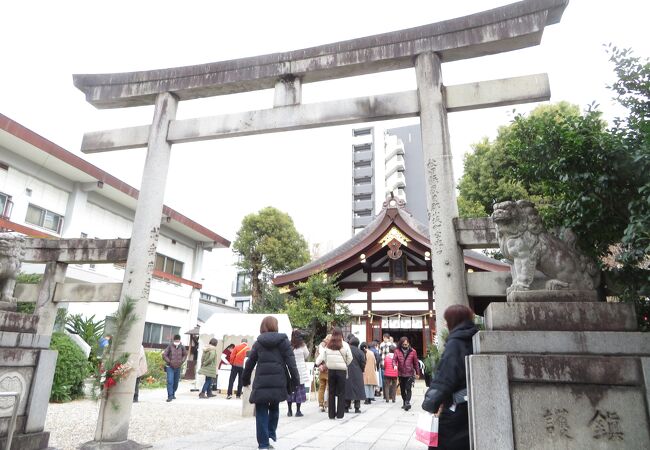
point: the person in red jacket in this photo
(390, 375)
(236, 358)
(408, 366)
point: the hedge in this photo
(72, 368)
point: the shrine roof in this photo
(393, 214)
(48, 155)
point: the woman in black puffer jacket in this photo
(273, 355)
(448, 387)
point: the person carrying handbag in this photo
(447, 393)
(337, 356)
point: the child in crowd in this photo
(390, 375)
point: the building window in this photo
(155, 333)
(6, 205)
(361, 132)
(44, 218)
(362, 147)
(242, 285)
(169, 265)
(243, 305)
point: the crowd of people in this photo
(348, 373)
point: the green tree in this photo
(268, 243)
(88, 329)
(314, 308)
(582, 175)
(274, 301)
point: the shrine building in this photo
(385, 276)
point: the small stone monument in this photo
(12, 250)
(555, 368)
(26, 362)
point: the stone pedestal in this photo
(26, 366)
(562, 375)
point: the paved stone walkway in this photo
(381, 426)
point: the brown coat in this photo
(369, 373)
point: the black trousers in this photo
(405, 388)
(336, 388)
(235, 372)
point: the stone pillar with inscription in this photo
(570, 374)
(114, 412)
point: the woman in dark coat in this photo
(354, 388)
(447, 394)
(273, 355)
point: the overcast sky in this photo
(305, 173)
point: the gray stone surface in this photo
(494, 284)
(113, 421)
(605, 370)
(447, 263)
(13, 321)
(40, 394)
(556, 316)
(568, 295)
(563, 342)
(11, 339)
(31, 441)
(15, 379)
(498, 30)
(489, 397)
(585, 417)
(645, 369)
(16, 357)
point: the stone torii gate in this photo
(511, 27)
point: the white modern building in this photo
(46, 191)
(363, 177)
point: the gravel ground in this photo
(152, 418)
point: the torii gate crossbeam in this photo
(515, 26)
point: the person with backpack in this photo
(406, 359)
(236, 359)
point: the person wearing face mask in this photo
(406, 360)
(174, 355)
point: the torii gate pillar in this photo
(115, 412)
(448, 268)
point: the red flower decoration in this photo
(109, 383)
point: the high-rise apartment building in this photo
(363, 177)
(404, 174)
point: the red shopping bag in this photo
(426, 430)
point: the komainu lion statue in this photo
(525, 242)
(12, 251)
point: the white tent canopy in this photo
(224, 324)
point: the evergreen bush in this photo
(155, 376)
(72, 368)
